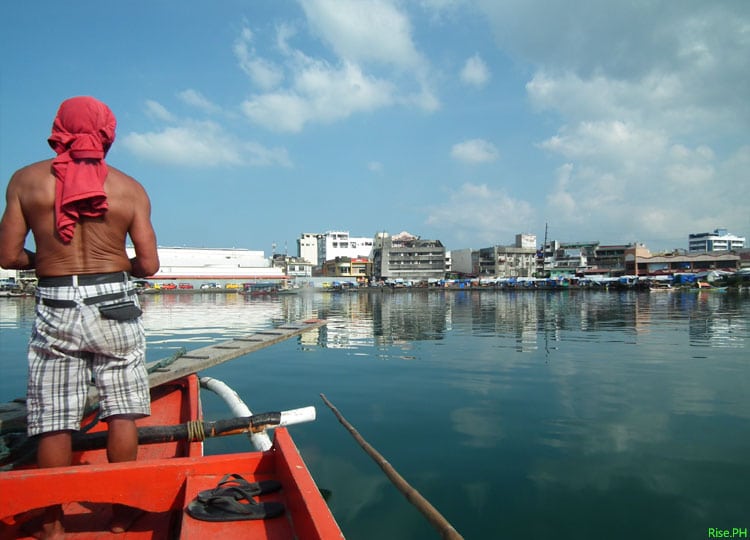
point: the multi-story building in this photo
(641, 262)
(719, 240)
(567, 257)
(506, 261)
(321, 247)
(307, 247)
(464, 262)
(334, 244)
(293, 267)
(518, 260)
(408, 257)
(358, 268)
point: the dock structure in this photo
(13, 415)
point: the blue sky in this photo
(251, 122)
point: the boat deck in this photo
(164, 479)
(163, 488)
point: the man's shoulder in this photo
(114, 172)
(33, 172)
(43, 166)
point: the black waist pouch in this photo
(122, 311)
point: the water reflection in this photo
(586, 414)
(524, 321)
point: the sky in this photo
(467, 121)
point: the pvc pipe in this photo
(260, 441)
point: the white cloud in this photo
(158, 111)
(649, 100)
(196, 99)
(376, 65)
(201, 144)
(474, 151)
(262, 72)
(364, 31)
(475, 72)
(375, 166)
(476, 213)
(320, 93)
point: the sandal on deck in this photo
(236, 487)
(227, 508)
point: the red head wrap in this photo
(82, 133)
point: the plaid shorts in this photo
(70, 346)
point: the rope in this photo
(435, 518)
(195, 431)
(161, 364)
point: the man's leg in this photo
(122, 445)
(122, 439)
(54, 450)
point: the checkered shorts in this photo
(70, 346)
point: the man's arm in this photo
(13, 232)
(146, 260)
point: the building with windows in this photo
(407, 257)
(321, 247)
(640, 262)
(506, 261)
(334, 244)
(718, 240)
(307, 247)
(359, 269)
(293, 267)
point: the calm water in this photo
(565, 415)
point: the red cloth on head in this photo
(82, 133)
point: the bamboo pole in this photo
(436, 519)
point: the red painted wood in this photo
(164, 479)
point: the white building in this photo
(307, 247)
(334, 244)
(719, 240)
(182, 263)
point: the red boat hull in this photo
(164, 479)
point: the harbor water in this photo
(537, 415)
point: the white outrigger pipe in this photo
(260, 440)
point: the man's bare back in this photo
(98, 245)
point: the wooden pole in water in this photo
(445, 529)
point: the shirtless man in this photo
(80, 212)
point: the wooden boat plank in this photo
(13, 415)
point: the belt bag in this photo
(122, 311)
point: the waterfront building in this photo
(293, 267)
(321, 247)
(517, 260)
(307, 247)
(407, 257)
(334, 244)
(464, 262)
(567, 258)
(640, 262)
(718, 240)
(219, 265)
(359, 268)
(506, 261)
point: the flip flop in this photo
(233, 485)
(226, 508)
